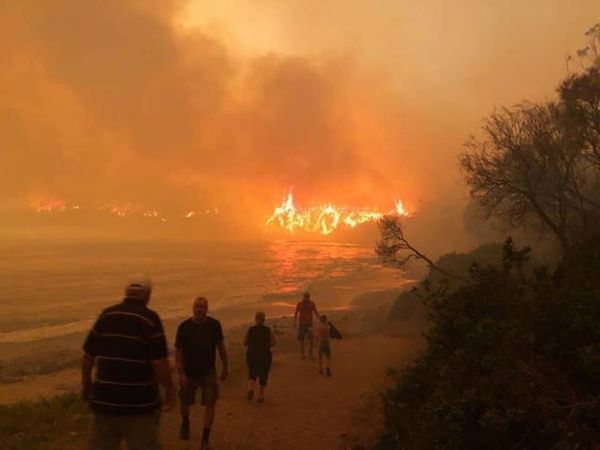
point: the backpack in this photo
(333, 332)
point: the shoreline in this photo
(50, 366)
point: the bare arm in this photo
(180, 368)
(87, 364)
(223, 356)
(315, 310)
(179, 361)
(162, 372)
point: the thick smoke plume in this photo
(178, 106)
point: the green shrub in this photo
(512, 361)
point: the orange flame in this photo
(323, 219)
(49, 205)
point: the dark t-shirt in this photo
(197, 342)
(259, 343)
(125, 340)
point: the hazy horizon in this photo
(178, 106)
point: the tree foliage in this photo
(512, 361)
(538, 165)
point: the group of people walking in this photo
(127, 347)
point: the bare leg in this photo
(261, 393)
(209, 415)
(185, 410)
(250, 393)
(184, 432)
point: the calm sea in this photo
(49, 289)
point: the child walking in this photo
(323, 333)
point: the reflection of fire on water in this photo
(324, 219)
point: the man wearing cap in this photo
(196, 343)
(127, 345)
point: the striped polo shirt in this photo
(124, 340)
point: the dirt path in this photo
(303, 409)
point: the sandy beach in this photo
(303, 409)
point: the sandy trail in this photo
(304, 410)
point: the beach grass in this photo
(43, 424)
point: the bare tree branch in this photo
(395, 250)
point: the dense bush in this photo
(409, 305)
(512, 361)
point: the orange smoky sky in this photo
(179, 105)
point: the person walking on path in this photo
(128, 348)
(323, 335)
(197, 339)
(303, 319)
(258, 341)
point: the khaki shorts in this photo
(139, 432)
(209, 389)
(305, 331)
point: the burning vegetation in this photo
(325, 219)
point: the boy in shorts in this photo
(324, 345)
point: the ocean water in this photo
(54, 288)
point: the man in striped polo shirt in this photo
(127, 345)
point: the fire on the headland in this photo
(51, 206)
(324, 219)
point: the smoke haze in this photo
(177, 106)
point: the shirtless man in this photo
(303, 319)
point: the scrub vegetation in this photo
(512, 358)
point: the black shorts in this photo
(304, 331)
(209, 388)
(259, 369)
(325, 349)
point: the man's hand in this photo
(183, 379)
(224, 373)
(169, 402)
(86, 393)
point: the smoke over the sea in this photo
(175, 106)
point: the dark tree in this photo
(538, 164)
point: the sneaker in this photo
(184, 432)
(249, 395)
(328, 372)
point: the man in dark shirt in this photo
(258, 341)
(197, 339)
(127, 346)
